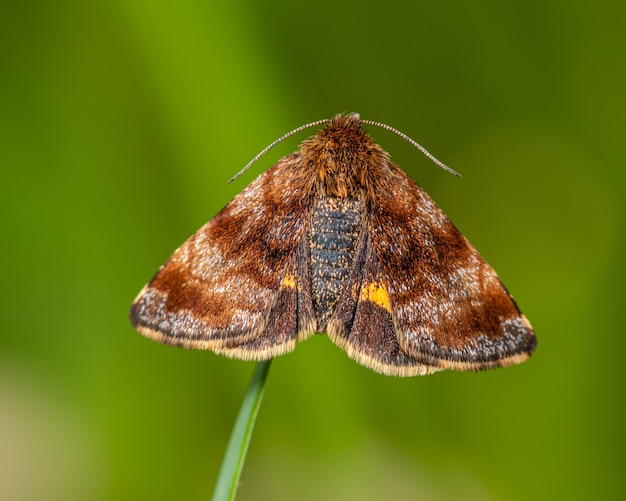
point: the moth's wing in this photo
(231, 287)
(362, 323)
(450, 310)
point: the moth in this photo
(336, 239)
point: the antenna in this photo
(418, 146)
(426, 153)
(279, 140)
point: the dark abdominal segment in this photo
(333, 237)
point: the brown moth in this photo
(336, 238)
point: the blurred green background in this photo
(120, 123)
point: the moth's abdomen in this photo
(333, 237)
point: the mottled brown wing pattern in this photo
(450, 309)
(230, 288)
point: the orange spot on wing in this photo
(376, 293)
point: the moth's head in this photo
(344, 136)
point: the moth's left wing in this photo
(231, 287)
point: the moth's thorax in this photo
(333, 237)
(343, 158)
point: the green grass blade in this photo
(232, 464)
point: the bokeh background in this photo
(120, 123)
